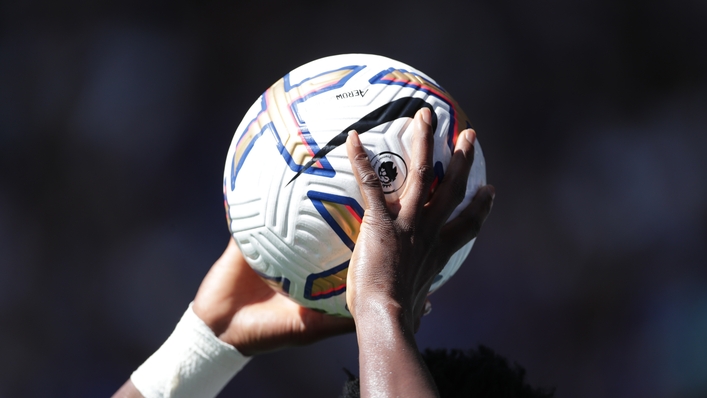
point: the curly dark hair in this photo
(472, 373)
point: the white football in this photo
(292, 201)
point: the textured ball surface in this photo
(292, 201)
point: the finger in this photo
(466, 226)
(421, 172)
(335, 325)
(330, 325)
(366, 177)
(318, 326)
(452, 190)
(215, 302)
(428, 308)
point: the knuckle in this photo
(426, 173)
(444, 249)
(361, 156)
(369, 179)
(474, 227)
(457, 191)
(407, 227)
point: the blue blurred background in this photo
(115, 119)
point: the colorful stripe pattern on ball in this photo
(402, 77)
(343, 214)
(278, 283)
(279, 115)
(326, 284)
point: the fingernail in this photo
(353, 135)
(427, 309)
(426, 115)
(470, 136)
(493, 191)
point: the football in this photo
(292, 201)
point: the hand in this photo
(245, 312)
(401, 247)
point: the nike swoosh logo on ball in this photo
(402, 107)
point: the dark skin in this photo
(386, 289)
(245, 312)
(401, 247)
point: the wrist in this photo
(389, 360)
(216, 317)
(378, 310)
(192, 362)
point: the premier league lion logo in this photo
(387, 172)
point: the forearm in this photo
(390, 363)
(191, 362)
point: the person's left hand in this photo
(245, 312)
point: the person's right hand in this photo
(401, 247)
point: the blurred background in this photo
(591, 272)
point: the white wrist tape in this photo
(193, 362)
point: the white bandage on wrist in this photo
(193, 362)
